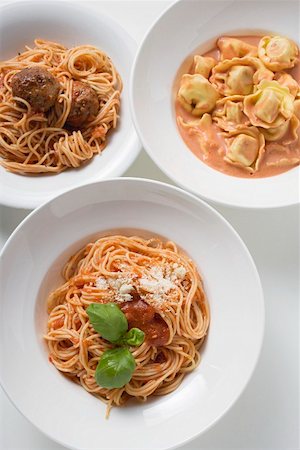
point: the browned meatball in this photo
(37, 86)
(85, 104)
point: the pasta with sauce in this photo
(57, 106)
(237, 106)
(159, 290)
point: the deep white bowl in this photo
(31, 263)
(175, 35)
(70, 24)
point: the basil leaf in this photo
(134, 337)
(115, 368)
(108, 320)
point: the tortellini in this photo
(277, 52)
(245, 148)
(285, 79)
(288, 129)
(197, 95)
(235, 76)
(270, 106)
(203, 65)
(228, 113)
(297, 108)
(279, 156)
(202, 128)
(232, 47)
(263, 74)
(245, 100)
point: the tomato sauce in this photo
(141, 315)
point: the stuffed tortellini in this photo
(203, 65)
(285, 79)
(297, 107)
(245, 148)
(228, 113)
(232, 47)
(242, 105)
(196, 94)
(288, 131)
(262, 74)
(270, 106)
(235, 76)
(203, 131)
(277, 52)
(279, 156)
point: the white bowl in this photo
(31, 263)
(174, 36)
(70, 24)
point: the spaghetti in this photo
(38, 142)
(130, 272)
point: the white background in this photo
(267, 414)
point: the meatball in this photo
(85, 105)
(37, 86)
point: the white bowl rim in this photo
(236, 235)
(147, 147)
(123, 162)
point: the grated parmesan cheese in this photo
(159, 285)
(154, 285)
(101, 283)
(121, 286)
(179, 272)
(126, 289)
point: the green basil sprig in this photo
(116, 366)
(108, 320)
(133, 337)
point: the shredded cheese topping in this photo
(153, 286)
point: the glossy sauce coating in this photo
(141, 315)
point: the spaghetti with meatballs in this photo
(56, 107)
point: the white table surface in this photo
(267, 414)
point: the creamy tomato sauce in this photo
(208, 143)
